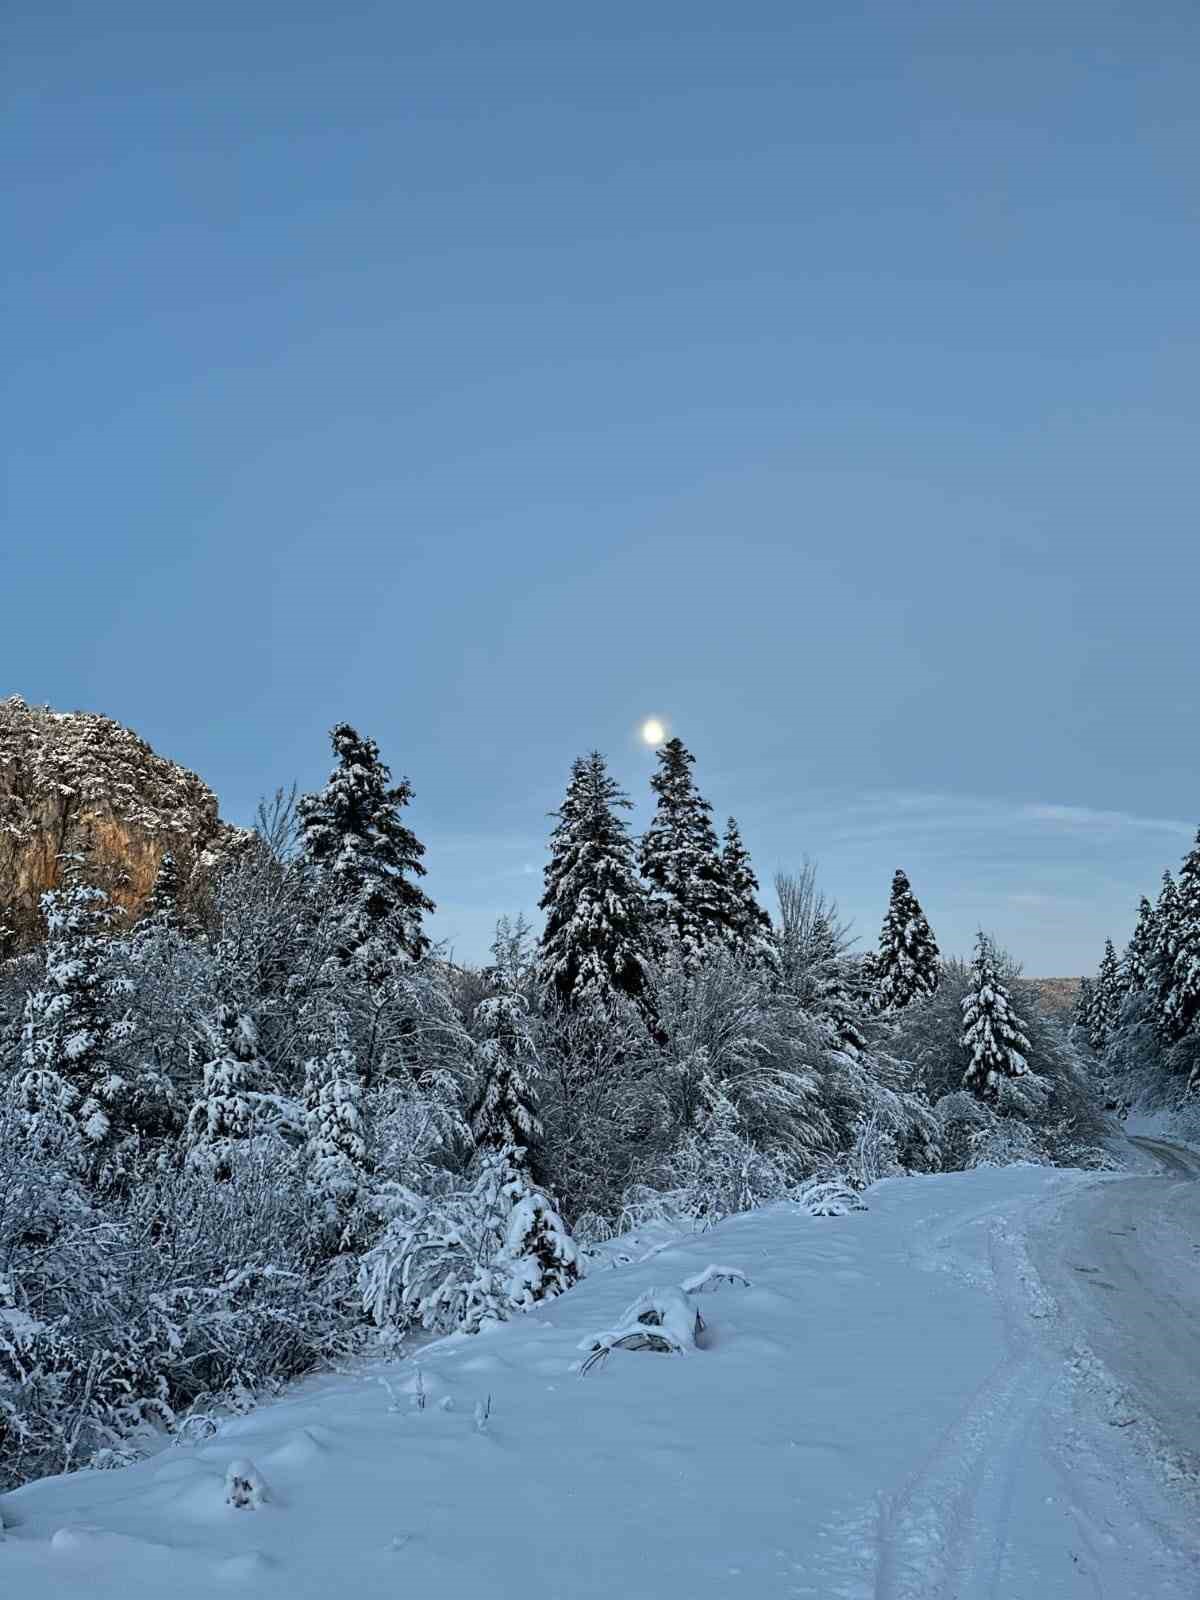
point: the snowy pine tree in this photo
(1179, 975)
(222, 1118)
(595, 941)
(541, 1257)
(1108, 995)
(692, 900)
(336, 1145)
(992, 1035)
(163, 905)
(72, 1023)
(908, 966)
(352, 834)
(1082, 1015)
(1139, 953)
(504, 1113)
(834, 995)
(752, 933)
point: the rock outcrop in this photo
(75, 783)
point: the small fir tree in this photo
(72, 1024)
(834, 996)
(351, 833)
(692, 900)
(162, 907)
(595, 942)
(222, 1118)
(504, 1112)
(992, 1035)
(908, 966)
(336, 1143)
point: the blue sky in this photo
(822, 378)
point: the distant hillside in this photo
(1055, 994)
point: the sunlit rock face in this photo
(75, 783)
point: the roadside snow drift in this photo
(891, 1406)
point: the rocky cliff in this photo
(77, 783)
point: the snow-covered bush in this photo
(467, 1254)
(121, 1310)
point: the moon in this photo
(653, 731)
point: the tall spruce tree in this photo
(1139, 953)
(993, 1036)
(751, 930)
(596, 940)
(1179, 976)
(908, 966)
(1108, 996)
(693, 903)
(352, 834)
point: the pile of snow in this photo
(882, 1404)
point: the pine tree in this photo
(833, 989)
(1139, 953)
(504, 1113)
(1108, 996)
(1084, 1000)
(595, 942)
(542, 1258)
(163, 905)
(222, 1118)
(336, 1144)
(752, 932)
(693, 902)
(352, 834)
(908, 966)
(1179, 1007)
(72, 1023)
(992, 1035)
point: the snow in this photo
(897, 1405)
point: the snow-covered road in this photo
(905, 1404)
(1123, 1260)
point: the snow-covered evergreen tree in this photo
(222, 1118)
(693, 902)
(73, 1021)
(1139, 953)
(336, 1144)
(1108, 995)
(543, 1260)
(595, 942)
(163, 905)
(992, 1035)
(1081, 1017)
(504, 1112)
(753, 935)
(834, 990)
(1179, 975)
(352, 834)
(908, 966)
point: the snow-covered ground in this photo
(898, 1405)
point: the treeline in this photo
(271, 1122)
(1141, 1012)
